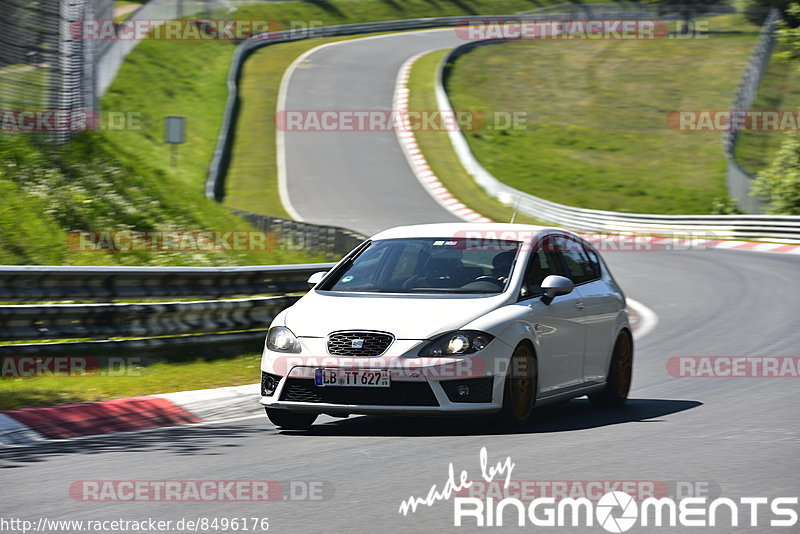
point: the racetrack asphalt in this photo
(358, 180)
(738, 435)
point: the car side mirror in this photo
(316, 278)
(554, 286)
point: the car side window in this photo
(595, 263)
(542, 263)
(577, 265)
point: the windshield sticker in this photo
(346, 279)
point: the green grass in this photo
(779, 90)
(24, 87)
(162, 377)
(596, 135)
(93, 184)
(436, 147)
(731, 22)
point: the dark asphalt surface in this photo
(740, 435)
(358, 180)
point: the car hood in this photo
(407, 317)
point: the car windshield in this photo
(428, 265)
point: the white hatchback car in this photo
(451, 319)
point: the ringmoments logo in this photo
(615, 511)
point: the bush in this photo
(779, 184)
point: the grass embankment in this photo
(93, 184)
(163, 377)
(436, 147)
(596, 136)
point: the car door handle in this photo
(580, 305)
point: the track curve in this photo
(359, 180)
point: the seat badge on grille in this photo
(357, 344)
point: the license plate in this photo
(351, 379)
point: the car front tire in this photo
(290, 420)
(521, 387)
(620, 373)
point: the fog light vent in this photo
(269, 383)
(469, 390)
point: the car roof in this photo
(504, 231)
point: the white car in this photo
(451, 319)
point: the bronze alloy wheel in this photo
(521, 386)
(620, 373)
(623, 364)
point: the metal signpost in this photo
(174, 134)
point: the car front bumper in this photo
(418, 385)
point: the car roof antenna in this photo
(516, 209)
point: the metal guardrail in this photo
(225, 323)
(45, 283)
(65, 321)
(748, 227)
(298, 235)
(147, 350)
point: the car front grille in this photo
(398, 394)
(359, 343)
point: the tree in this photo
(789, 35)
(779, 184)
(756, 11)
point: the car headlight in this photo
(457, 343)
(281, 339)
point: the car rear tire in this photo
(620, 373)
(521, 387)
(291, 420)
